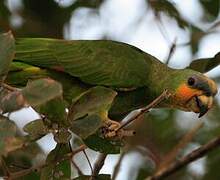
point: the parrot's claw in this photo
(110, 130)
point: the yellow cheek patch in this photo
(184, 92)
(213, 86)
(32, 69)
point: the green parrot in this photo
(137, 76)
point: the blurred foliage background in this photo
(159, 131)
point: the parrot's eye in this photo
(191, 81)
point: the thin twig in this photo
(118, 166)
(24, 172)
(73, 162)
(98, 165)
(90, 164)
(8, 87)
(154, 103)
(171, 51)
(162, 29)
(80, 173)
(150, 153)
(194, 155)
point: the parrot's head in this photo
(193, 91)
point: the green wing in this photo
(205, 64)
(95, 62)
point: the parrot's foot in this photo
(111, 130)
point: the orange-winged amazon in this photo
(137, 76)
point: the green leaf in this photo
(11, 101)
(206, 64)
(90, 110)
(8, 140)
(96, 100)
(26, 157)
(86, 126)
(7, 50)
(55, 170)
(55, 111)
(41, 91)
(103, 145)
(36, 129)
(87, 115)
(34, 94)
(99, 177)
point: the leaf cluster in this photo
(84, 117)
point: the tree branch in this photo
(164, 95)
(171, 51)
(194, 155)
(73, 162)
(87, 158)
(80, 173)
(98, 165)
(171, 156)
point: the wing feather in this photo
(95, 62)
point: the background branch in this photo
(118, 166)
(194, 155)
(77, 168)
(171, 51)
(170, 157)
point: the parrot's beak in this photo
(203, 103)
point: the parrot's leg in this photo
(110, 130)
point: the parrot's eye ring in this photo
(191, 81)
